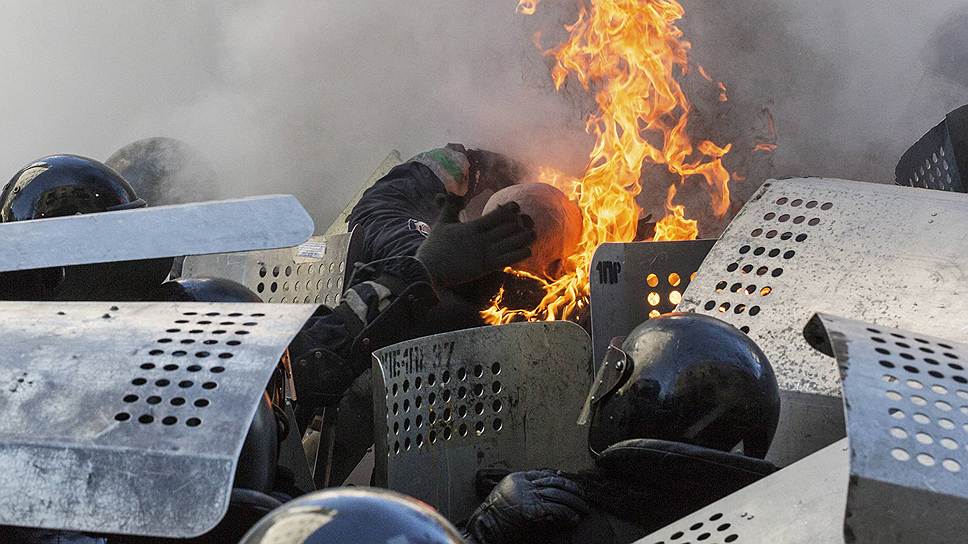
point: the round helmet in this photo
(203, 290)
(353, 514)
(61, 185)
(685, 377)
(165, 171)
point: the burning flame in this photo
(629, 53)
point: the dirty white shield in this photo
(129, 418)
(493, 397)
(894, 256)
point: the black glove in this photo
(490, 170)
(528, 506)
(456, 253)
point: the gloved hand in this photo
(527, 506)
(456, 253)
(490, 170)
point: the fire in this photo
(629, 54)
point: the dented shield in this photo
(892, 255)
(493, 397)
(906, 400)
(129, 418)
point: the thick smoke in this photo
(307, 97)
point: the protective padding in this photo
(314, 272)
(637, 281)
(801, 504)
(148, 233)
(939, 159)
(896, 256)
(906, 398)
(129, 418)
(505, 397)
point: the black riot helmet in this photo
(64, 185)
(165, 171)
(353, 514)
(61, 185)
(685, 377)
(203, 290)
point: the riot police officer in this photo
(64, 185)
(670, 404)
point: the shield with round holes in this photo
(637, 281)
(906, 399)
(315, 272)
(493, 397)
(939, 160)
(892, 255)
(129, 418)
(801, 504)
(148, 233)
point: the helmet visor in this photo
(613, 372)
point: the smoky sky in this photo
(308, 97)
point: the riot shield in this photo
(148, 233)
(892, 255)
(906, 398)
(129, 418)
(450, 404)
(339, 225)
(939, 160)
(314, 272)
(637, 281)
(801, 504)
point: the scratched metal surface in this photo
(129, 418)
(801, 504)
(505, 397)
(313, 272)
(906, 397)
(631, 281)
(148, 233)
(895, 256)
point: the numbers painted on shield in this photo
(412, 359)
(608, 272)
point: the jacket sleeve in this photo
(397, 212)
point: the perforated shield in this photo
(505, 397)
(940, 158)
(314, 272)
(148, 233)
(637, 281)
(129, 418)
(801, 504)
(906, 396)
(893, 255)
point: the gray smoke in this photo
(307, 97)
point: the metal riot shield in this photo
(906, 399)
(314, 272)
(637, 281)
(939, 160)
(148, 233)
(450, 404)
(892, 255)
(129, 418)
(801, 504)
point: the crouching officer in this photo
(670, 404)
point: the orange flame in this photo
(629, 53)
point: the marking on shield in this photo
(450, 404)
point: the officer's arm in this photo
(385, 305)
